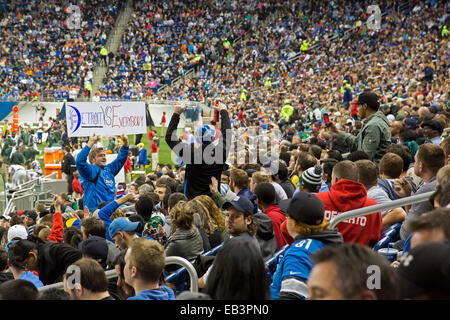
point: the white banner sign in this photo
(105, 118)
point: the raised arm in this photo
(225, 128)
(118, 163)
(172, 140)
(57, 232)
(106, 212)
(86, 170)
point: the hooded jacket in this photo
(162, 293)
(265, 235)
(346, 195)
(54, 258)
(142, 159)
(277, 216)
(289, 280)
(99, 183)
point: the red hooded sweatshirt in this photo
(346, 195)
(354, 109)
(277, 216)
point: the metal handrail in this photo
(59, 285)
(380, 207)
(189, 268)
(169, 260)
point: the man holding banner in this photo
(97, 178)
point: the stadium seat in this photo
(180, 277)
(390, 235)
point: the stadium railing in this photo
(177, 278)
(418, 198)
(169, 260)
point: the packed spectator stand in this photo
(43, 56)
(350, 129)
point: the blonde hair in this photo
(44, 233)
(214, 212)
(194, 206)
(260, 177)
(148, 257)
(208, 223)
(304, 229)
(443, 175)
(181, 218)
(94, 153)
(118, 214)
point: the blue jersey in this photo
(294, 268)
(104, 189)
(142, 157)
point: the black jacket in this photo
(6, 276)
(54, 258)
(67, 162)
(198, 176)
(288, 187)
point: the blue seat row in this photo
(180, 280)
(390, 235)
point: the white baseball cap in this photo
(17, 230)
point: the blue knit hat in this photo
(205, 134)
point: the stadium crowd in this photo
(45, 54)
(165, 39)
(356, 122)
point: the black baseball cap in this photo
(434, 124)
(369, 98)
(94, 247)
(30, 213)
(242, 204)
(304, 207)
(425, 270)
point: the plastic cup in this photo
(389, 253)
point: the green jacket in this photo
(57, 134)
(17, 158)
(6, 152)
(52, 140)
(5, 147)
(111, 146)
(30, 152)
(373, 139)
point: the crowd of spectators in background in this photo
(46, 54)
(319, 153)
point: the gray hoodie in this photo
(265, 235)
(326, 237)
